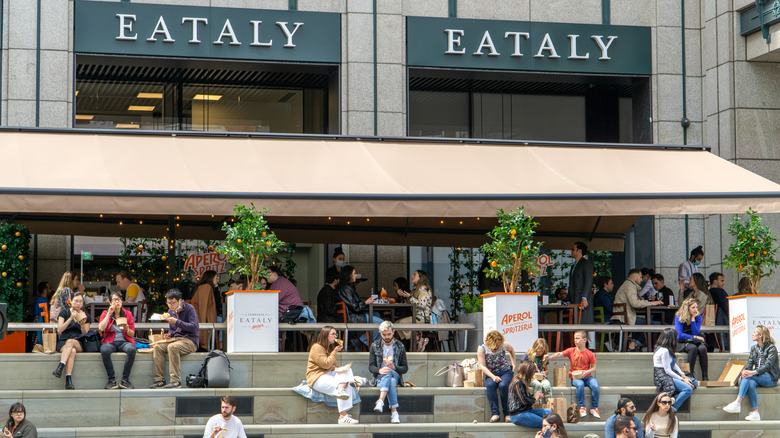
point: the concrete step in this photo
(160, 407)
(284, 370)
(710, 429)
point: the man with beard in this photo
(387, 362)
(624, 407)
(225, 424)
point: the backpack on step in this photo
(214, 372)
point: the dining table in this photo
(392, 308)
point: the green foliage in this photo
(463, 275)
(14, 266)
(512, 248)
(249, 243)
(472, 302)
(754, 251)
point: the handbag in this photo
(454, 375)
(90, 341)
(292, 315)
(573, 414)
(560, 373)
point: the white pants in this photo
(329, 382)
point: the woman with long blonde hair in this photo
(687, 323)
(762, 369)
(536, 354)
(62, 296)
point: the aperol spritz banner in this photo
(514, 315)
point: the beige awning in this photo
(359, 191)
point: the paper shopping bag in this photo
(49, 342)
(560, 373)
(558, 405)
(709, 315)
(156, 337)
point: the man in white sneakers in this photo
(225, 424)
(387, 362)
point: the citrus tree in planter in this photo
(14, 264)
(249, 243)
(511, 249)
(753, 253)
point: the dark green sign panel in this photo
(751, 21)
(528, 46)
(202, 32)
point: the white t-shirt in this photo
(235, 429)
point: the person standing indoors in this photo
(205, 304)
(660, 421)
(64, 292)
(700, 291)
(667, 375)
(582, 361)
(17, 425)
(183, 322)
(687, 323)
(135, 293)
(225, 424)
(538, 355)
(625, 427)
(387, 362)
(339, 261)
(321, 374)
(761, 370)
(498, 371)
(688, 268)
(521, 402)
(422, 299)
(581, 285)
(118, 328)
(552, 427)
(625, 407)
(71, 323)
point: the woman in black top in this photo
(17, 425)
(357, 308)
(71, 323)
(521, 403)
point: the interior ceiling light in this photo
(84, 116)
(207, 97)
(128, 125)
(150, 96)
(141, 108)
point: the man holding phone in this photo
(225, 424)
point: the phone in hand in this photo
(547, 433)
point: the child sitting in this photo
(583, 365)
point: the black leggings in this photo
(694, 350)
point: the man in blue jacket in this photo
(624, 407)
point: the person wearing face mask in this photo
(339, 261)
(625, 407)
(387, 363)
(687, 269)
(184, 338)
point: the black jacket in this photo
(326, 305)
(357, 309)
(375, 360)
(519, 398)
(767, 355)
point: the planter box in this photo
(474, 339)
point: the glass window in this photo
(438, 114)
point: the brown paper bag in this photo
(156, 337)
(558, 405)
(684, 367)
(474, 375)
(560, 373)
(709, 315)
(49, 342)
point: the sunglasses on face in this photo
(665, 402)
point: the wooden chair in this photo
(567, 317)
(619, 309)
(341, 309)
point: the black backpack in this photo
(215, 368)
(292, 315)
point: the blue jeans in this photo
(593, 384)
(684, 391)
(388, 383)
(748, 386)
(502, 387)
(372, 319)
(531, 419)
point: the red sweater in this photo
(109, 335)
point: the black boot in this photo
(58, 372)
(69, 383)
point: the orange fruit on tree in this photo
(4, 247)
(21, 257)
(18, 284)
(18, 234)
(5, 274)
(513, 232)
(238, 240)
(268, 242)
(493, 263)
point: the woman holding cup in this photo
(71, 323)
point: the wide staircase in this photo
(269, 408)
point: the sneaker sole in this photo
(731, 411)
(342, 397)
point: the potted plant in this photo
(249, 243)
(512, 249)
(753, 252)
(472, 314)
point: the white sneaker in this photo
(732, 408)
(753, 416)
(595, 413)
(341, 395)
(395, 418)
(379, 406)
(360, 381)
(347, 419)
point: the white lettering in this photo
(573, 53)
(227, 31)
(287, 33)
(487, 43)
(195, 21)
(452, 41)
(256, 41)
(124, 25)
(604, 47)
(161, 28)
(517, 36)
(547, 44)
